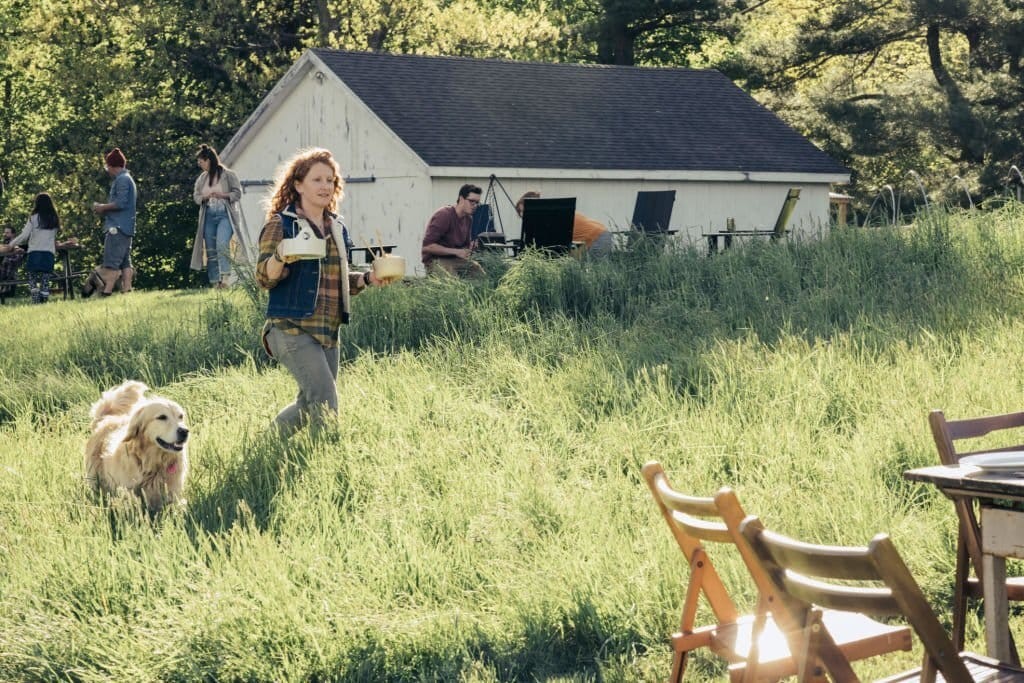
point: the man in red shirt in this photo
(447, 242)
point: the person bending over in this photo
(596, 239)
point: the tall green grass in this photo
(477, 512)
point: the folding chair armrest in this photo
(700, 637)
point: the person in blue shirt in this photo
(119, 225)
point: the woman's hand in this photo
(284, 259)
(275, 266)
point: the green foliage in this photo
(477, 512)
(928, 86)
(932, 87)
(627, 32)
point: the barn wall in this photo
(699, 206)
(388, 190)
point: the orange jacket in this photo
(586, 230)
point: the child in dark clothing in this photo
(41, 234)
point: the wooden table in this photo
(64, 278)
(1000, 496)
(512, 247)
(68, 276)
(515, 246)
(726, 236)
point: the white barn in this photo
(409, 130)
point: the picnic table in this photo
(64, 277)
(1000, 497)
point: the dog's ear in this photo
(136, 424)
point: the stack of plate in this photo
(1004, 461)
(305, 246)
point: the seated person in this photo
(596, 239)
(9, 262)
(6, 248)
(447, 242)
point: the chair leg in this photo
(960, 593)
(928, 669)
(1014, 655)
(678, 666)
(960, 603)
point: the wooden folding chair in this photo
(755, 644)
(968, 550)
(872, 580)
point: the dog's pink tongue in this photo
(172, 467)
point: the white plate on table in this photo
(1007, 461)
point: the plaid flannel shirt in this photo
(323, 325)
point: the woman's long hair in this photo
(295, 170)
(47, 212)
(212, 173)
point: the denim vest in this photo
(295, 296)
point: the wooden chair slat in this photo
(892, 587)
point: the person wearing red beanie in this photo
(115, 158)
(119, 227)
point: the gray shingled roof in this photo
(457, 111)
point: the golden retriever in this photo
(138, 445)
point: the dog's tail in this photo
(117, 401)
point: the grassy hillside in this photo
(478, 512)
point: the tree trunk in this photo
(963, 124)
(615, 43)
(326, 24)
(5, 151)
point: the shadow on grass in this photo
(568, 643)
(248, 491)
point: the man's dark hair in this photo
(469, 189)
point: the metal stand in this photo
(491, 196)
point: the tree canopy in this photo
(933, 86)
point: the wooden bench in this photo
(776, 232)
(64, 278)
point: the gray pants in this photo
(602, 246)
(315, 368)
